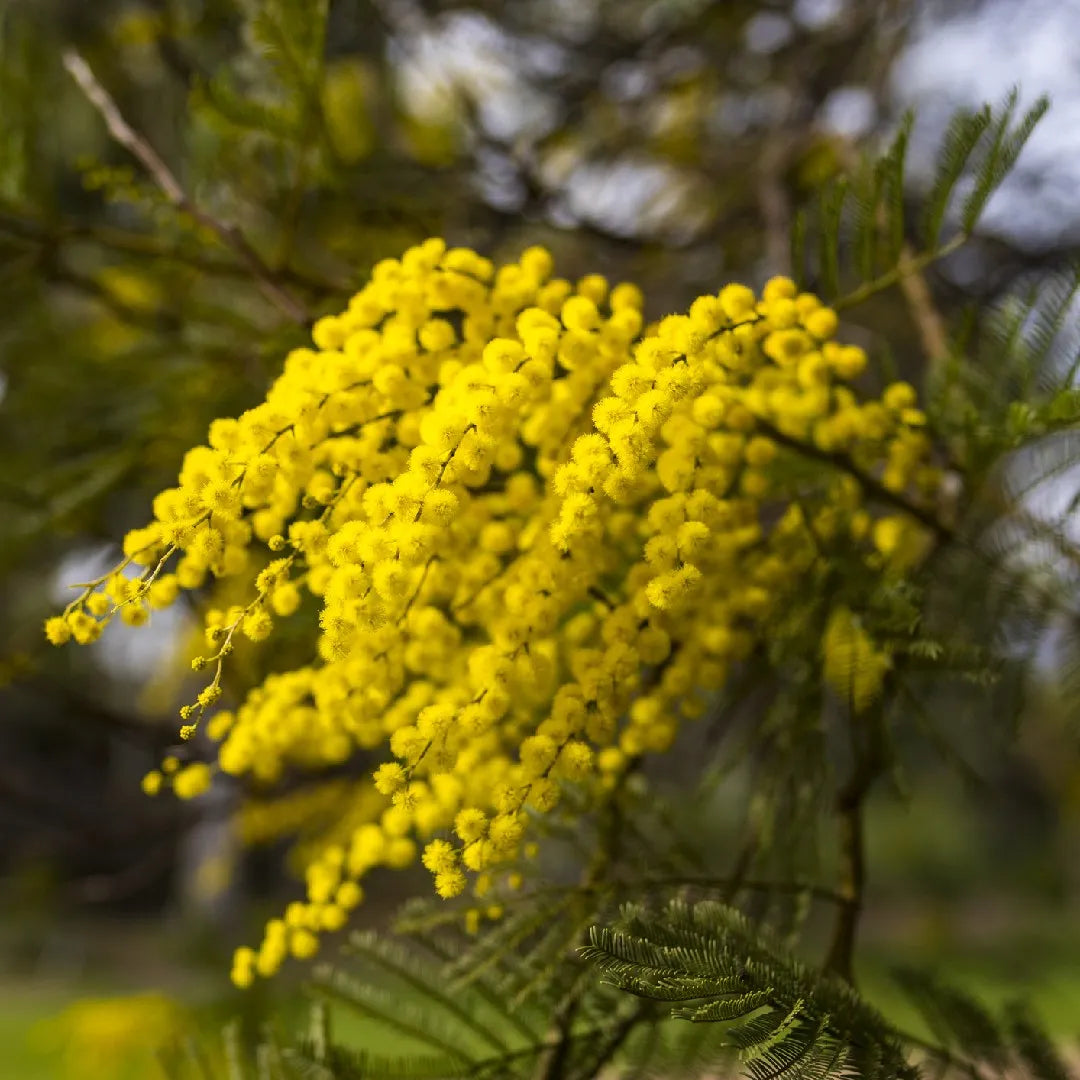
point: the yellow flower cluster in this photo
(538, 533)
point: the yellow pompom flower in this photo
(390, 778)
(152, 781)
(58, 630)
(527, 538)
(450, 883)
(192, 780)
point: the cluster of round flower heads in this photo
(539, 534)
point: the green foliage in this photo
(444, 1030)
(964, 133)
(862, 235)
(715, 993)
(784, 1018)
(793, 1021)
(1010, 384)
(1032, 1046)
(277, 99)
(22, 107)
(399, 987)
(889, 185)
(999, 155)
(1005, 404)
(971, 1037)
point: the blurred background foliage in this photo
(668, 142)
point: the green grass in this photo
(21, 1055)
(30, 1047)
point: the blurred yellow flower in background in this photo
(112, 1038)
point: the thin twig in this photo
(868, 764)
(870, 484)
(924, 313)
(730, 884)
(552, 1061)
(23, 225)
(738, 883)
(165, 179)
(853, 879)
(903, 269)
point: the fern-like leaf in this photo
(242, 110)
(756, 1036)
(890, 183)
(864, 211)
(393, 1011)
(965, 131)
(1033, 1047)
(791, 1019)
(832, 213)
(393, 958)
(508, 938)
(1000, 156)
(724, 1008)
(956, 1018)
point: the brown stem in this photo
(903, 269)
(166, 180)
(868, 765)
(552, 1062)
(870, 484)
(924, 313)
(850, 887)
(737, 883)
(17, 222)
(727, 886)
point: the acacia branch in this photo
(924, 313)
(551, 1063)
(870, 484)
(852, 883)
(905, 268)
(869, 762)
(735, 884)
(729, 884)
(928, 320)
(226, 232)
(23, 225)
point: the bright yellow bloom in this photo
(536, 540)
